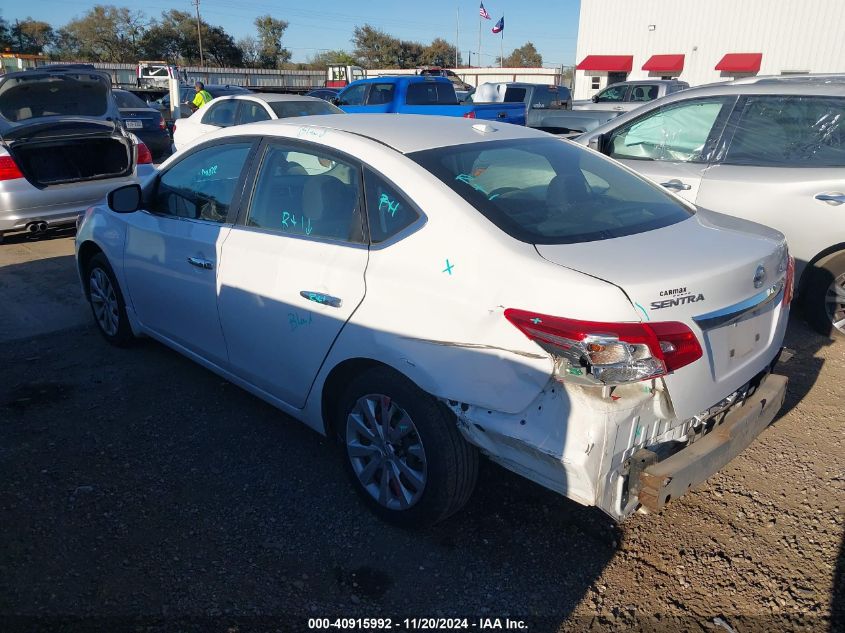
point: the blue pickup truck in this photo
(417, 94)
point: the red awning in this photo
(740, 63)
(610, 63)
(665, 64)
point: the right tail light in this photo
(600, 353)
(9, 169)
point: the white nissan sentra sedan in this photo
(429, 288)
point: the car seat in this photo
(332, 208)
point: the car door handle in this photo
(676, 184)
(502, 115)
(834, 198)
(201, 263)
(322, 299)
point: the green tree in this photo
(375, 48)
(5, 34)
(173, 37)
(249, 50)
(322, 60)
(220, 48)
(439, 53)
(31, 36)
(271, 53)
(526, 56)
(105, 34)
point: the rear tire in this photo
(824, 300)
(107, 302)
(403, 451)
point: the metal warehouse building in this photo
(702, 41)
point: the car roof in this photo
(408, 132)
(272, 97)
(820, 85)
(650, 81)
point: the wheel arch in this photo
(86, 251)
(336, 381)
(820, 259)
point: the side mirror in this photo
(126, 199)
(594, 98)
(335, 101)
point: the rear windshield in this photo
(126, 100)
(548, 191)
(37, 95)
(285, 109)
(431, 93)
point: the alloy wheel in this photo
(386, 452)
(104, 301)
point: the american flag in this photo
(483, 12)
(499, 26)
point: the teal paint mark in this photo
(385, 201)
(448, 268)
(575, 371)
(466, 178)
(536, 320)
(642, 309)
(208, 173)
(303, 224)
(296, 320)
(313, 296)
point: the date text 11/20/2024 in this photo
(418, 624)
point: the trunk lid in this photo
(719, 275)
(50, 95)
(140, 119)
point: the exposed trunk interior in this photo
(54, 162)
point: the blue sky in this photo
(327, 24)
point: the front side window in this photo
(203, 184)
(307, 192)
(678, 132)
(251, 112)
(612, 94)
(380, 94)
(388, 210)
(789, 131)
(545, 191)
(221, 114)
(354, 95)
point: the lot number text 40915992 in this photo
(418, 624)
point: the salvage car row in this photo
(431, 289)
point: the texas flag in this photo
(500, 25)
(483, 12)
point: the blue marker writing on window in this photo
(385, 201)
(466, 178)
(207, 173)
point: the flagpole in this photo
(457, 32)
(502, 45)
(479, 41)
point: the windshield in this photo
(126, 100)
(548, 191)
(285, 109)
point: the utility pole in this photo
(196, 3)
(457, 33)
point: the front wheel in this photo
(404, 452)
(824, 300)
(107, 302)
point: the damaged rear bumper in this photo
(655, 483)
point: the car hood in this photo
(43, 98)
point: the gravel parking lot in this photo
(139, 491)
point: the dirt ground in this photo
(140, 492)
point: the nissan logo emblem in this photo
(759, 276)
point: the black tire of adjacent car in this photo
(452, 461)
(821, 276)
(124, 336)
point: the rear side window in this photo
(552, 97)
(388, 211)
(251, 112)
(546, 191)
(380, 94)
(646, 92)
(307, 192)
(286, 109)
(203, 184)
(789, 131)
(514, 95)
(431, 93)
